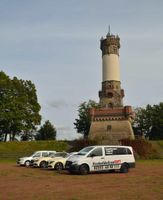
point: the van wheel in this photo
(27, 163)
(43, 164)
(124, 168)
(83, 169)
(111, 170)
(58, 166)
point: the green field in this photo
(158, 145)
(144, 182)
(12, 150)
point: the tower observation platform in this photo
(112, 121)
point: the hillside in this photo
(158, 145)
(13, 150)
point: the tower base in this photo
(109, 126)
(110, 132)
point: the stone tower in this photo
(112, 121)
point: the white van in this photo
(26, 160)
(101, 158)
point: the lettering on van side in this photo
(116, 164)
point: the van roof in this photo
(46, 151)
(110, 146)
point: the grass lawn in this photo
(145, 182)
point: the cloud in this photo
(58, 104)
(66, 132)
(63, 128)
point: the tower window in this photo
(109, 128)
(110, 95)
(110, 105)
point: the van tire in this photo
(43, 164)
(83, 170)
(58, 166)
(27, 163)
(124, 168)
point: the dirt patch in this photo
(144, 182)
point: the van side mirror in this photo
(92, 155)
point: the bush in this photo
(78, 144)
(142, 148)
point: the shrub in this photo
(142, 148)
(78, 144)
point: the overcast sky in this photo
(56, 45)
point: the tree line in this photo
(148, 121)
(20, 114)
(19, 111)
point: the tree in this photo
(27, 136)
(19, 108)
(82, 124)
(46, 132)
(156, 131)
(149, 121)
(141, 124)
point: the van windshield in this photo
(85, 151)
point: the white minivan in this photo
(101, 158)
(27, 160)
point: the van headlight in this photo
(50, 162)
(75, 163)
(22, 159)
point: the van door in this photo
(113, 159)
(96, 159)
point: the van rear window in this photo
(116, 151)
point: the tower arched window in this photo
(110, 105)
(110, 94)
(109, 127)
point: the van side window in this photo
(109, 151)
(51, 154)
(96, 152)
(45, 154)
(120, 151)
(116, 151)
(123, 151)
(37, 155)
(128, 151)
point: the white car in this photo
(101, 158)
(42, 161)
(26, 160)
(58, 163)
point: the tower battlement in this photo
(110, 45)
